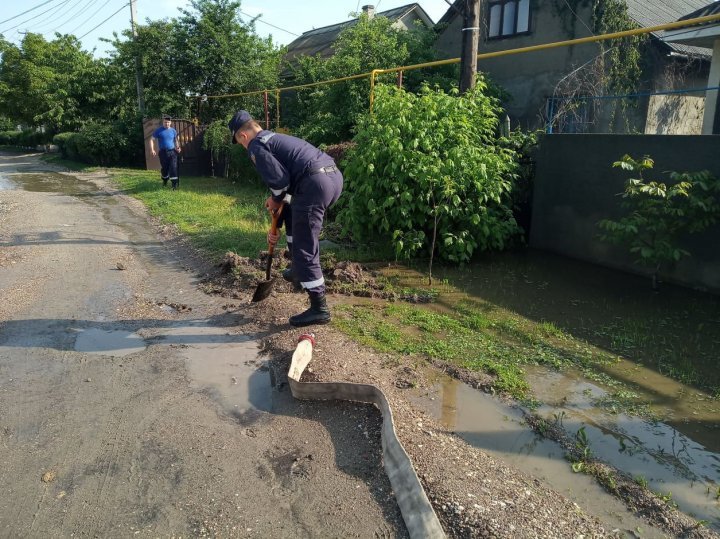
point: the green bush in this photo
(10, 138)
(29, 138)
(67, 142)
(658, 214)
(100, 144)
(428, 173)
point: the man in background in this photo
(168, 151)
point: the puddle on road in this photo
(656, 452)
(49, 182)
(108, 342)
(225, 363)
(6, 183)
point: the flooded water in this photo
(501, 431)
(666, 347)
(108, 342)
(227, 364)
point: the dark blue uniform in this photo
(291, 166)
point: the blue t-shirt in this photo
(166, 137)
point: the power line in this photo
(28, 11)
(28, 20)
(578, 18)
(71, 15)
(51, 15)
(106, 20)
(89, 18)
(262, 21)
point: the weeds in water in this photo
(640, 480)
(667, 498)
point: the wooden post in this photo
(470, 40)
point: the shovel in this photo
(265, 287)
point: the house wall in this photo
(576, 186)
(530, 78)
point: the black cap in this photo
(241, 117)
(166, 117)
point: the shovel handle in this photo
(273, 226)
(273, 230)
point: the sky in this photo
(92, 19)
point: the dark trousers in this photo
(169, 166)
(314, 194)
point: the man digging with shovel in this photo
(294, 169)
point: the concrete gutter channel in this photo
(420, 519)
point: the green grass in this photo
(484, 338)
(216, 215)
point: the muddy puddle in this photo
(108, 342)
(665, 348)
(501, 431)
(225, 365)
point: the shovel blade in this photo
(263, 290)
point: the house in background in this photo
(558, 89)
(708, 36)
(320, 41)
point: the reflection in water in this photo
(226, 364)
(501, 431)
(650, 335)
(667, 460)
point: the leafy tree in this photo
(428, 175)
(49, 83)
(208, 50)
(658, 214)
(330, 112)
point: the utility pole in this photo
(138, 65)
(470, 40)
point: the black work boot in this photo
(288, 275)
(165, 182)
(318, 313)
(175, 184)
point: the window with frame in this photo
(508, 18)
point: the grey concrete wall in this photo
(576, 186)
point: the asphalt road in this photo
(134, 405)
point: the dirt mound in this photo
(232, 260)
(349, 272)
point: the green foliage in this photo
(228, 160)
(49, 83)
(622, 58)
(100, 144)
(216, 139)
(67, 142)
(658, 214)
(6, 124)
(428, 175)
(329, 113)
(10, 138)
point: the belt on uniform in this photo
(324, 170)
